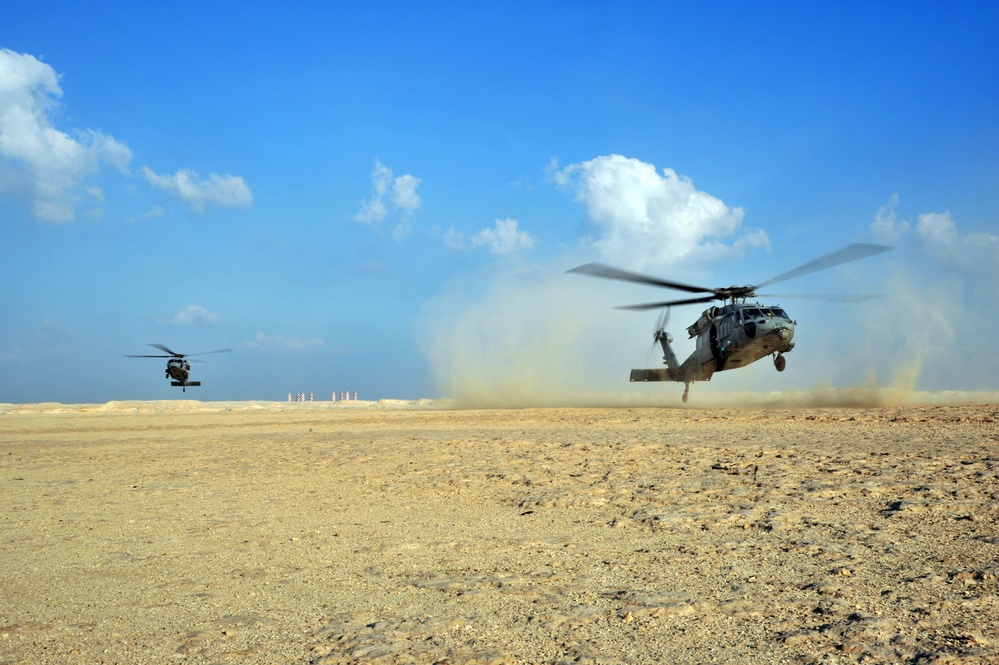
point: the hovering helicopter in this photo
(732, 335)
(177, 368)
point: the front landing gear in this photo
(780, 362)
(686, 389)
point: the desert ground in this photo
(412, 532)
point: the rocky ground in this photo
(404, 533)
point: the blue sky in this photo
(384, 198)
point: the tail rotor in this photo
(659, 333)
(661, 324)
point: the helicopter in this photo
(177, 367)
(734, 334)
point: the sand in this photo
(394, 532)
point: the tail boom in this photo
(651, 375)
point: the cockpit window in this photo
(779, 313)
(751, 313)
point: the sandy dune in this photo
(138, 532)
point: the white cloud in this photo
(218, 190)
(974, 253)
(938, 234)
(372, 210)
(937, 229)
(404, 194)
(263, 340)
(390, 194)
(886, 225)
(647, 221)
(505, 239)
(193, 314)
(46, 166)
(502, 240)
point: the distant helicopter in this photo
(177, 368)
(733, 335)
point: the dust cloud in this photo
(927, 334)
(529, 336)
(532, 336)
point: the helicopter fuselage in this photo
(727, 337)
(736, 335)
(178, 369)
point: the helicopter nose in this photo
(785, 334)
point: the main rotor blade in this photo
(834, 297)
(668, 303)
(607, 272)
(128, 356)
(203, 353)
(849, 253)
(163, 348)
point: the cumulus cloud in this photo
(193, 314)
(47, 168)
(391, 195)
(937, 236)
(44, 166)
(227, 191)
(504, 239)
(940, 233)
(404, 196)
(372, 210)
(971, 258)
(650, 221)
(263, 340)
(886, 225)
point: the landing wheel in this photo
(686, 389)
(780, 362)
